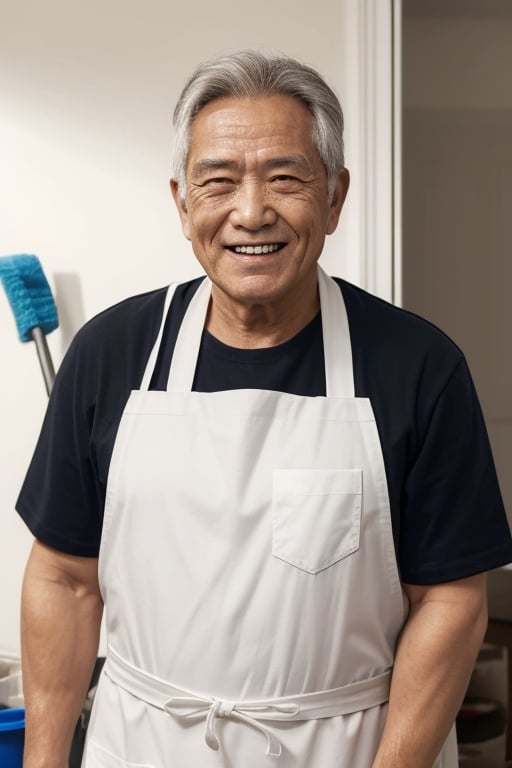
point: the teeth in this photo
(256, 249)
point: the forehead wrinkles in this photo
(254, 116)
(230, 153)
(252, 129)
(252, 144)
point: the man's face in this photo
(256, 209)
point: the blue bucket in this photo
(12, 736)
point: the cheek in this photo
(205, 222)
(311, 226)
(304, 215)
(204, 238)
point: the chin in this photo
(254, 291)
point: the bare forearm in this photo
(60, 630)
(433, 664)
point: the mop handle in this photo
(45, 359)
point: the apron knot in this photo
(197, 707)
(225, 708)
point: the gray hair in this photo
(252, 73)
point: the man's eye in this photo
(286, 180)
(218, 180)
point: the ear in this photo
(337, 200)
(182, 208)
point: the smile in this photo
(256, 249)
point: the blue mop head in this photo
(29, 294)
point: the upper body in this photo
(430, 425)
(259, 182)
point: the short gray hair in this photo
(253, 73)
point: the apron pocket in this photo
(316, 516)
(98, 757)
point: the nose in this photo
(252, 209)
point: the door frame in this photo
(371, 93)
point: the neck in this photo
(252, 326)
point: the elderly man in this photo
(290, 481)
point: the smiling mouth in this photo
(251, 250)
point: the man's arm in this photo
(60, 624)
(434, 660)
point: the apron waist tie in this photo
(180, 703)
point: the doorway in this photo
(457, 192)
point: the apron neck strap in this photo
(339, 376)
(186, 349)
(153, 355)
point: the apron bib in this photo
(247, 564)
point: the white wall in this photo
(87, 91)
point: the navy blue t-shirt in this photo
(447, 514)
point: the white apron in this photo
(248, 571)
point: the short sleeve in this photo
(61, 500)
(453, 523)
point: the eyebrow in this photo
(289, 161)
(208, 165)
